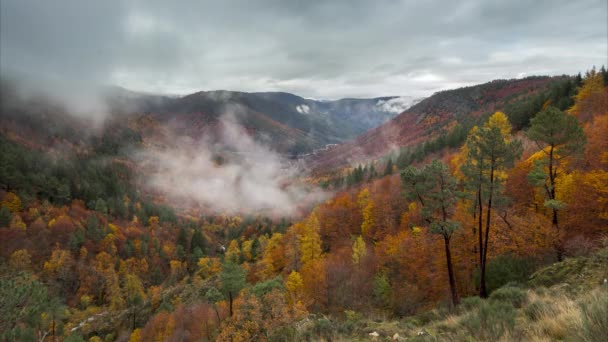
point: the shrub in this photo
(506, 268)
(283, 334)
(323, 328)
(469, 303)
(513, 295)
(490, 321)
(353, 319)
(427, 317)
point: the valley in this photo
(239, 171)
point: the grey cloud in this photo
(320, 49)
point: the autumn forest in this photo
(84, 254)
(283, 171)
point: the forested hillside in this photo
(448, 115)
(437, 241)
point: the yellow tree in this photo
(11, 201)
(59, 270)
(247, 250)
(367, 209)
(294, 285)
(20, 260)
(273, 260)
(310, 240)
(17, 223)
(135, 336)
(111, 293)
(592, 98)
(233, 254)
(133, 290)
(208, 267)
(359, 250)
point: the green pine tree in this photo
(434, 188)
(560, 137)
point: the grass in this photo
(594, 315)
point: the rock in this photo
(396, 337)
(374, 334)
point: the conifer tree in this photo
(489, 152)
(559, 136)
(434, 188)
(389, 167)
(232, 279)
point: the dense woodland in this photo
(85, 256)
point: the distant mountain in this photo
(288, 123)
(427, 118)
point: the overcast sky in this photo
(319, 49)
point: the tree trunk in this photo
(483, 292)
(559, 248)
(217, 314)
(230, 300)
(482, 269)
(452, 280)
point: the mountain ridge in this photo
(427, 118)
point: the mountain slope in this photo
(289, 123)
(426, 118)
(285, 122)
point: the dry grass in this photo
(558, 318)
(549, 315)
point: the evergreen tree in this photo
(434, 188)
(489, 151)
(214, 295)
(101, 206)
(5, 216)
(198, 241)
(372, 172)
(559, 136)
(389, 167)
(232, 279)
(255, 248)
(94, 231)
(23, 300)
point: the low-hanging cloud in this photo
(233, 174)
(397, 105)
(82, 100)
(303, 109)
